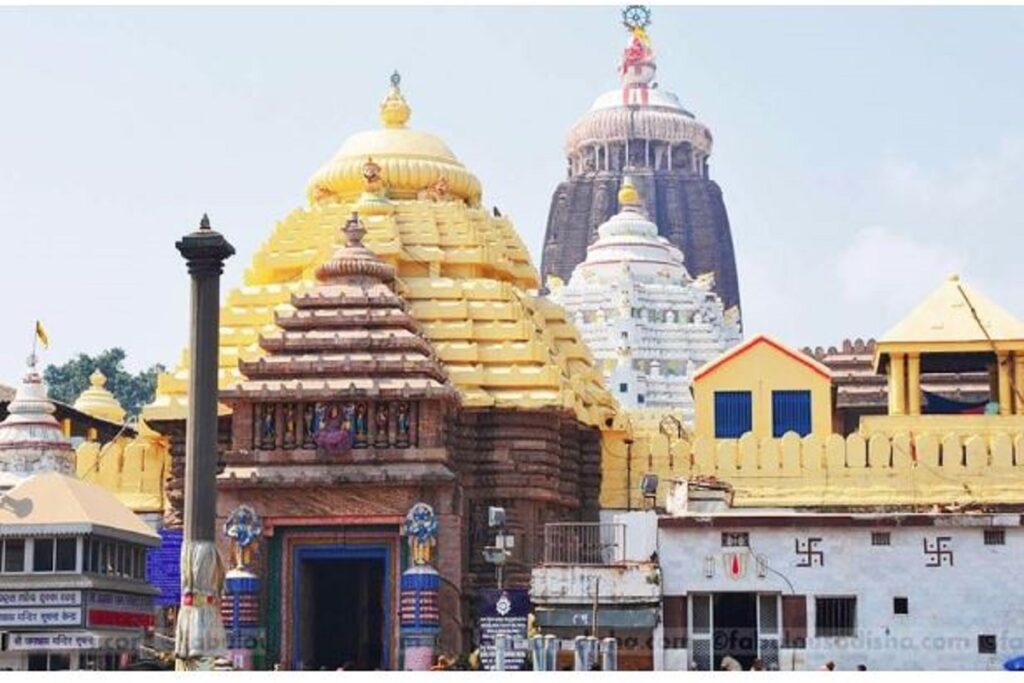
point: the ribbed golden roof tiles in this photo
(465, 274)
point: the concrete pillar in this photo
(1005, 386)
(897, 385)
(914, 383)
(200, 633)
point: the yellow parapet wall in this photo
(133, 469)
(879, 470)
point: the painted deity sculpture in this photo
(268, 426)
(244, 527)
(361, 427)
(308, 421)
(421, 530)
(381, 437)
(334, 435)
(289, 425)
(403, 425)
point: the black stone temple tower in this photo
(642, 131)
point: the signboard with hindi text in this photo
(44, 598)
(504, 611)
(70, 640)
(35, 617)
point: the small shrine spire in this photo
(355, 261)
(354, 230)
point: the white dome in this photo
(656, 97)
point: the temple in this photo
(647, 322)
(641, 130)
(402, 360)
(72, 557)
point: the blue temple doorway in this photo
(341, 598)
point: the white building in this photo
(648, 323)
(73, 590)
(887, 590)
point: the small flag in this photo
(41, 335)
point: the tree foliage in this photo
(67, 381)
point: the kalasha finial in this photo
(204, 222)
(636, 17)
(355, 230)
(394, 111)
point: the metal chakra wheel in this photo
(636, 17)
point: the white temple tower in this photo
(648, 323)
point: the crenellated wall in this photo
(878, 470)
(133, 469)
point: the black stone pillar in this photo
(200, 634)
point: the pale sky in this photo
(864, 153)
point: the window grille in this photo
(701, 613)
(768, 614)
(995, 537)
(735, 539)
(835, 617)
(881, 538)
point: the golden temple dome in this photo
(411, 162)
(98, 401)
(464, 272)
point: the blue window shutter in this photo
(791, 412)
(733, 415)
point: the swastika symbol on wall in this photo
(938, 553)
(808, 554)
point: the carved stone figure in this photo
(421, 530)
(289, 426)
(381, 436)
(402, 421)
(268, 430)
(360, 439)
(244, 527)
(334, 437)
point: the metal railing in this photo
(591, 543)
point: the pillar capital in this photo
(205, 250)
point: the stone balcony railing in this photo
(584, 561)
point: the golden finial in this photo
(97, 379)
(394, 111)
(628, 196)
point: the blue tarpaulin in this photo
(939, 405)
